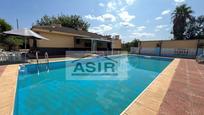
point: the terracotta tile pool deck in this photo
(185, 95)
(2, 69)
(178, 90)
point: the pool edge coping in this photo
(174, 63)
(10, 72)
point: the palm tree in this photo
(180, 17)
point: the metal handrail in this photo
(36, 56)
(47, 59)
(37, 59)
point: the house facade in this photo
(62, 39)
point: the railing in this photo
(47, 60)
(46, 63)
(37, 61)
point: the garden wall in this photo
(171, 48)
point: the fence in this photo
(11, 57)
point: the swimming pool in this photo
(52, 92)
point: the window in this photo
(77, 41)
(87, 44)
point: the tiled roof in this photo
(70, 30)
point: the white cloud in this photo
(130, 2)
(111, 5)
(109, 17)
(141, 28)
(113, 34)
(165, 12)
(179, 1)
(122, 9)
(167, 29)
(114, 5)
(100, 29)
(125, 16)
(158, 18)
(127, 24)
(104, 17)
(143, 34)
(159, 27)
(101, 4)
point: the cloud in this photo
(158, 18)
(100, 29)
(127, 24)
(109, 17)
(143, 34)
(141, 28)
(101, 4)
(114, 5)
(111, 5)
(165, 12)
(113, 34)
(180, 1)
(130, 2)
(104, 17)
(167, 29)
(159, 27)
(125, 16)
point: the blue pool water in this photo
(51, 93)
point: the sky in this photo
(140, 19)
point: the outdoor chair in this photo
(3, 57)
(200, 58)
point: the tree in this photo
(10, 41)
(73, 21)
(128, 45)
(195, 28)
(191, 29)
(4, 26)
(200, 24)
(180, 17)
(45, 20)
(13, 41)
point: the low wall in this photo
(178, 52)
(150, 51)
(171, 48)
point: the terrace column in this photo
(93, 46)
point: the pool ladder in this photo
(46, 59)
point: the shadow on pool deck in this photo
(185, 95)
